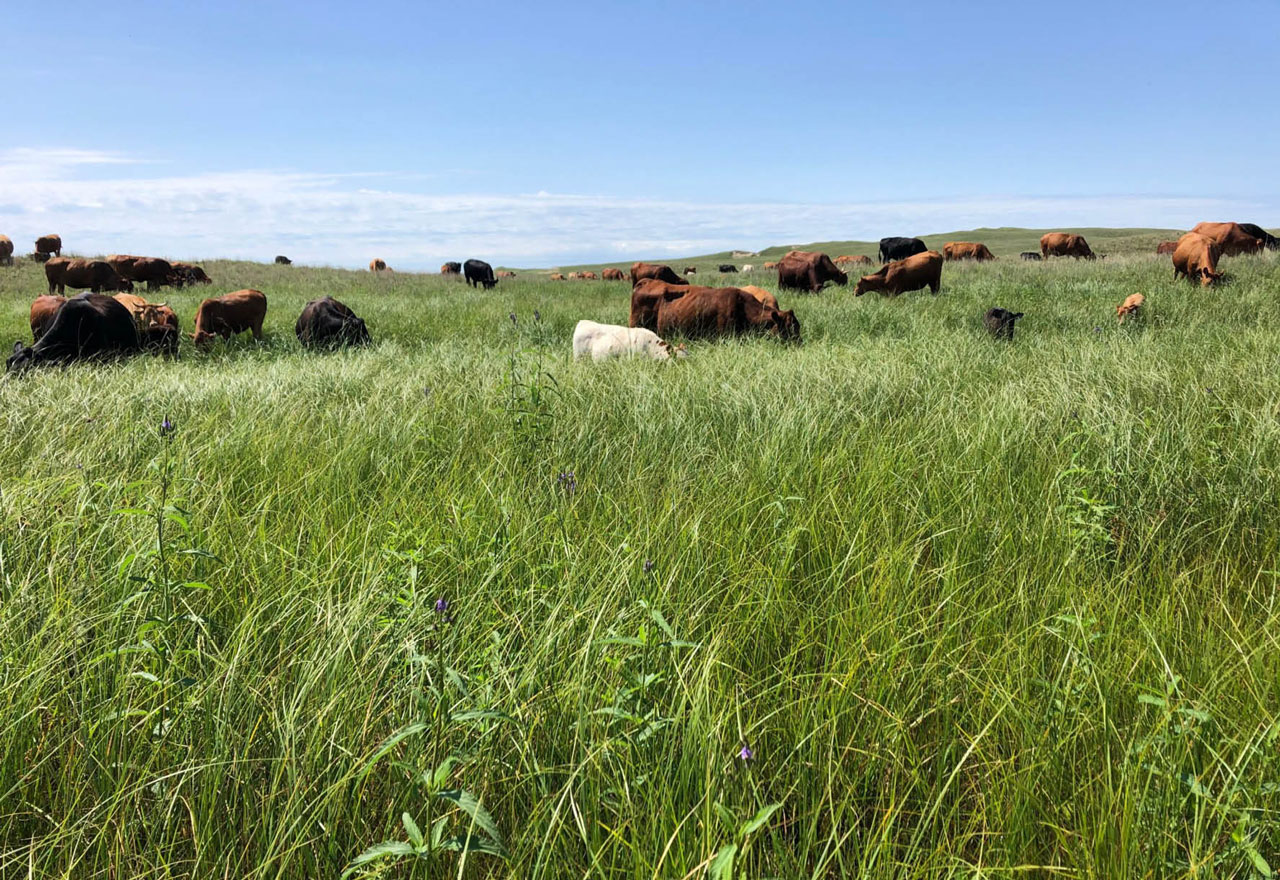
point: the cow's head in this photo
(875, 281)
(785, 326)
(1208, 277)
(202, 338)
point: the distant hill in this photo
(1005, 241)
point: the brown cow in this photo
(574, 276)
(506, 273)
(762, 296)
(1230, 238)
(690, 270)
(153, 270)
(1166, 247)
(644, 271)
(157, 323)
(6, 251)
(79, 274)
(1065, 244)
(613, 275)
(648, 296)
(191, 273)
(556, 276)
(588, 276)
(43, 310)
(849, 260)
(377, 265)
(1196, 259)
(808, 270)
(132, 302)
(49, 244)
(724, 311)
(771, 265)
(123, 263)
(229, 315)
(451, 268)
(913, 273)
(1130, 307)
(967, 250)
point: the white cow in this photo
(748, 268)
(603, 341)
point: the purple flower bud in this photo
(166, 427)
(567, 481)
(746, 754)
(442, 605)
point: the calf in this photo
(85, 326)
(231, 314)
(913, 273)
(604, 341)
(327, 323)
(1131, 306)
(1030, 256)
(999, 322)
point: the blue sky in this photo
(535, 134)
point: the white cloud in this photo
(326, 218)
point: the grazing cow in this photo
(327, 323)
(191, 274)
(478, 272)
(913, 273)
(84, 326)
(647, 298)
(1030, 256)
(506, 273)
(724, 311)
(451, 268)
(43, 310)
(158, 328)
(1196, 259)
(588, 276)
(898, 248)
(1166, 247)
(726, 268)
(49, 244)
(999, 322)
(604, 341)
(808, 270)
(967, 250)
(1131, 306)
(613, 275)
(852, 260)
(771, 265)
(1269, 241)
(690, 270)
(154, 271)
(1065, 244)
(1231, 238)
(375, 265)
(6, 251)
(557, 276)
(762, 296)
(79, 274)
(282, 260)
(748, 268)
(644, 271)
(230, 314)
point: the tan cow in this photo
(1065, 244)
(228, 315)
(1230, 238)
(613, 275)
(967, 250)
(1196, 259)
(912, 273)
(762, 296)
(6, 251)
(556, 276)
(377, 265)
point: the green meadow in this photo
(903, 601)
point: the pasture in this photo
(904, 601)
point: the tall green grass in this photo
(972, 608)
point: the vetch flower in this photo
(568, 482)
(746, 754)
(166, 427)
(442, 605)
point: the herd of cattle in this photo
(662, 302)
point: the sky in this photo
(540, 134)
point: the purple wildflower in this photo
(568, 482)
(166, 427)
(746, 754)
(442, 605)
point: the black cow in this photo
(85, 326)
(999, 322)
(1030, 256)
(727, 268)
(479, 272)
(327, 323)
(282, 260)
(1269, 241)
(900, 248)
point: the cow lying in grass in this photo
(604, 341)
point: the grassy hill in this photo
(1004, 242)
(902, 601)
